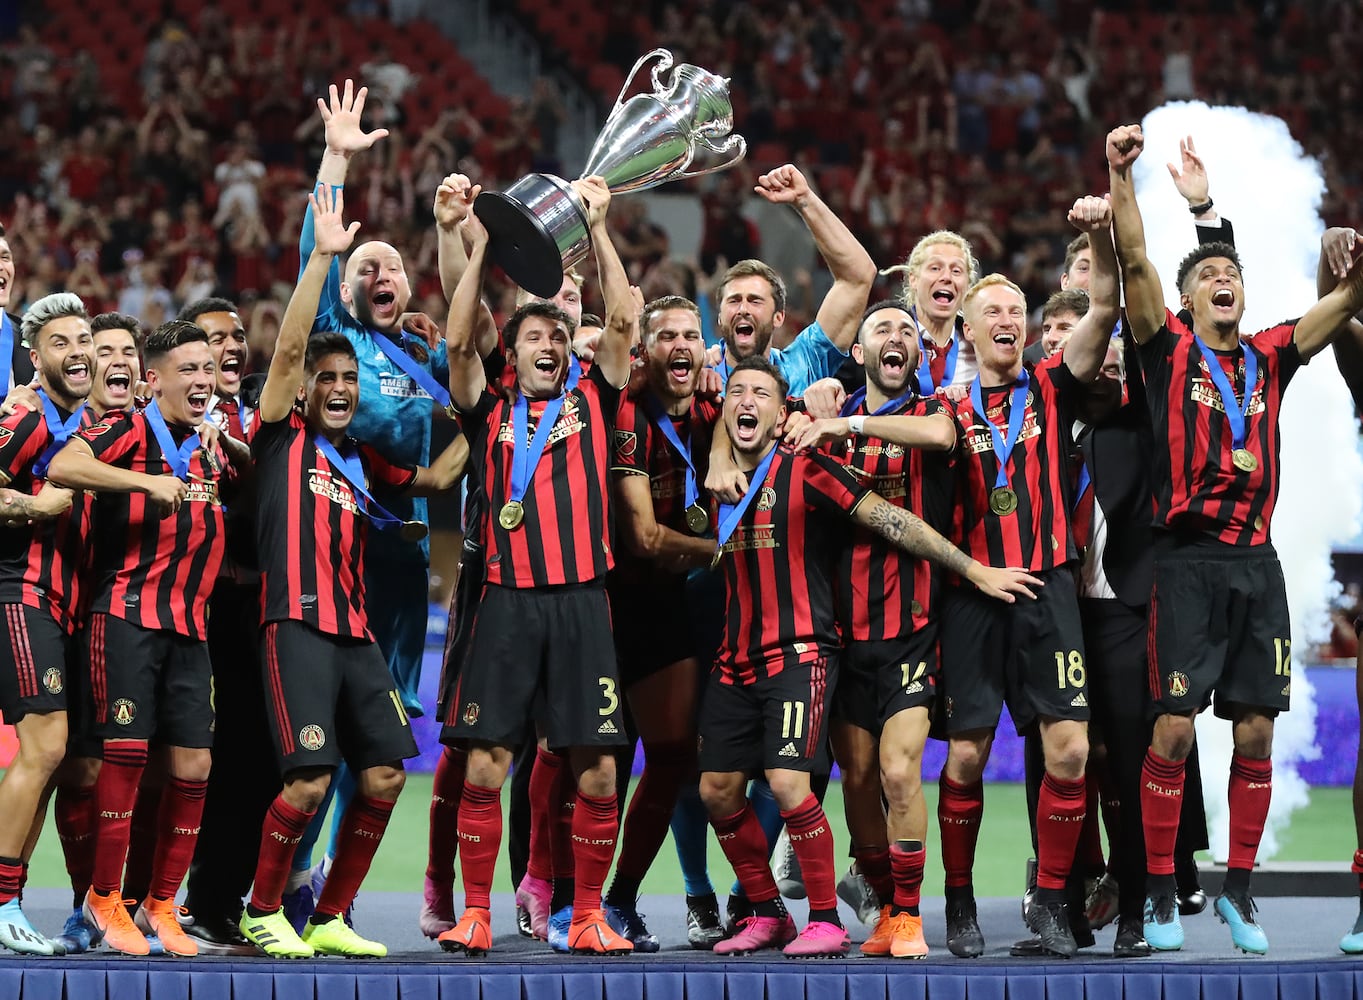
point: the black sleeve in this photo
(1223, 232)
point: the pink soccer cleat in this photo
(535, 894)
(757, 933)
(819, 940)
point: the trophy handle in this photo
(732, 142)
(664, 62)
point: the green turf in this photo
(1323, 831)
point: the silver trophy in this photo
(538, 226)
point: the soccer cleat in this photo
(217, 934)
(590, 934)
(472, 935)
(703, 929)
(1352, 943)
(756, 933)
(17, 934)
(907, 939)
(558, 929)
(856, 892)
(336, 937)
(535, 894)
(437, 909)
(1100, 902)
(299, 905)
(1029, 892)
(1191, 898)
(523, 926)
(878, 944)
(819, 939)
(786, 867)
(159, 918)
(110, 919)
(964, 939)
(1130, 941)
(1163, 929)
(1236, 911)
(1050, 922)
(629, 923)
(274, 935)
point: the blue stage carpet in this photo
(1303, 963)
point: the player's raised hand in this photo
(341, 114)
(454, 200)
(330, 233)
(783, 186)
(1124, 145)
(596, 196)
(1190, 178)
(1337, 244)
(1091, 214)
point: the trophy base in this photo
(534, 243)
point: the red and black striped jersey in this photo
(1198, 490)
(641, 449)
(565, 536)
(883, 592)
(155, 572)
(41, 565)
(779, 566)
(1035, 536)
(310, 531)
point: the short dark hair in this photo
(1216, 248)
(755, 268)
(119, 321)
(875, 307)
(1070, 300)
(321, 345)
(170, 335)
(757, 363)
(591, 320)
(1077, 246)
(212, 304)
(544, 310)
(663, 304)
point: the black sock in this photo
(1236, 881)
(251, 911)
(1161, 885)
(623, 891)
(562, 894)
(773, 908)
(827, 916)
(322, 918)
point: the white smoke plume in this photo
(1271, 191)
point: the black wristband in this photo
(1206, 206)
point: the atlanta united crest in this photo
(471, 714)
(52, 680)
(1178, 684)
(312, 738)
(124, 711)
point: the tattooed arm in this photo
(901, 528)
(23, 508)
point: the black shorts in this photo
(1029, 654)
(548, 646)
(652, 627)
(775, 722)
(35, 656)
(81, 738)
(149, 683)
(331, 699)
(463, 606)
(1219, 624)
(879, 679)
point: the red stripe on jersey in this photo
(779, 566)
(565, 536)
(1198, 491)
(818, 687)
(1150, 646)
(99, 668)
(1036, 536)
(277, 700)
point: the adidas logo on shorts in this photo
(915, 688)
(1079, 701)
(788, 751)
(607, 728)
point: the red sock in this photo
(544, 784)
(182, 808)
(907, 867)
(1358, 868)
(115, 794)
(447, 787)
(959, 808)
(874, 865)
(666, 766)
(594, 824)
(1249, 792)
(11, 878)
(74, 815)
(283, 829)
(362, 829)
(1161, 801)
(480, 837)
(562, 858)
(745, 845)
(812, 840)
(1060, 812)
(142, 836)
(1088, 855)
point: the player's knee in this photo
(901, 777)
(1067, 748)
(788, 788)
(597, 779)
(966, 760)
(1173, 737)
(383, 782)
(306, 791)
(42, 743)
(721, 793)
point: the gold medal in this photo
(1003, 501)
(451, 412)
(697, 519)
(1244, 460)
(511, 515)
(714, 563)
(413, 531)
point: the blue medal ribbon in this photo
(352, 471)
(1235, 412)
(731, 514)
(417, 374)
(176, 457)
(925, 386)
(663, 421)
(6, 349)
(61, 431)
(1003, 446)
(525, 459)
(854, 403)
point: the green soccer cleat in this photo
(274, 935)
(335, 937)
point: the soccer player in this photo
(940, 268)
(160, 544)
(887, 614)
(543, 625)
(331, 696)
(40, 556)
(1013, 448)
(767, 700)
(1218, 615)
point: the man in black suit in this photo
(15, 366)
